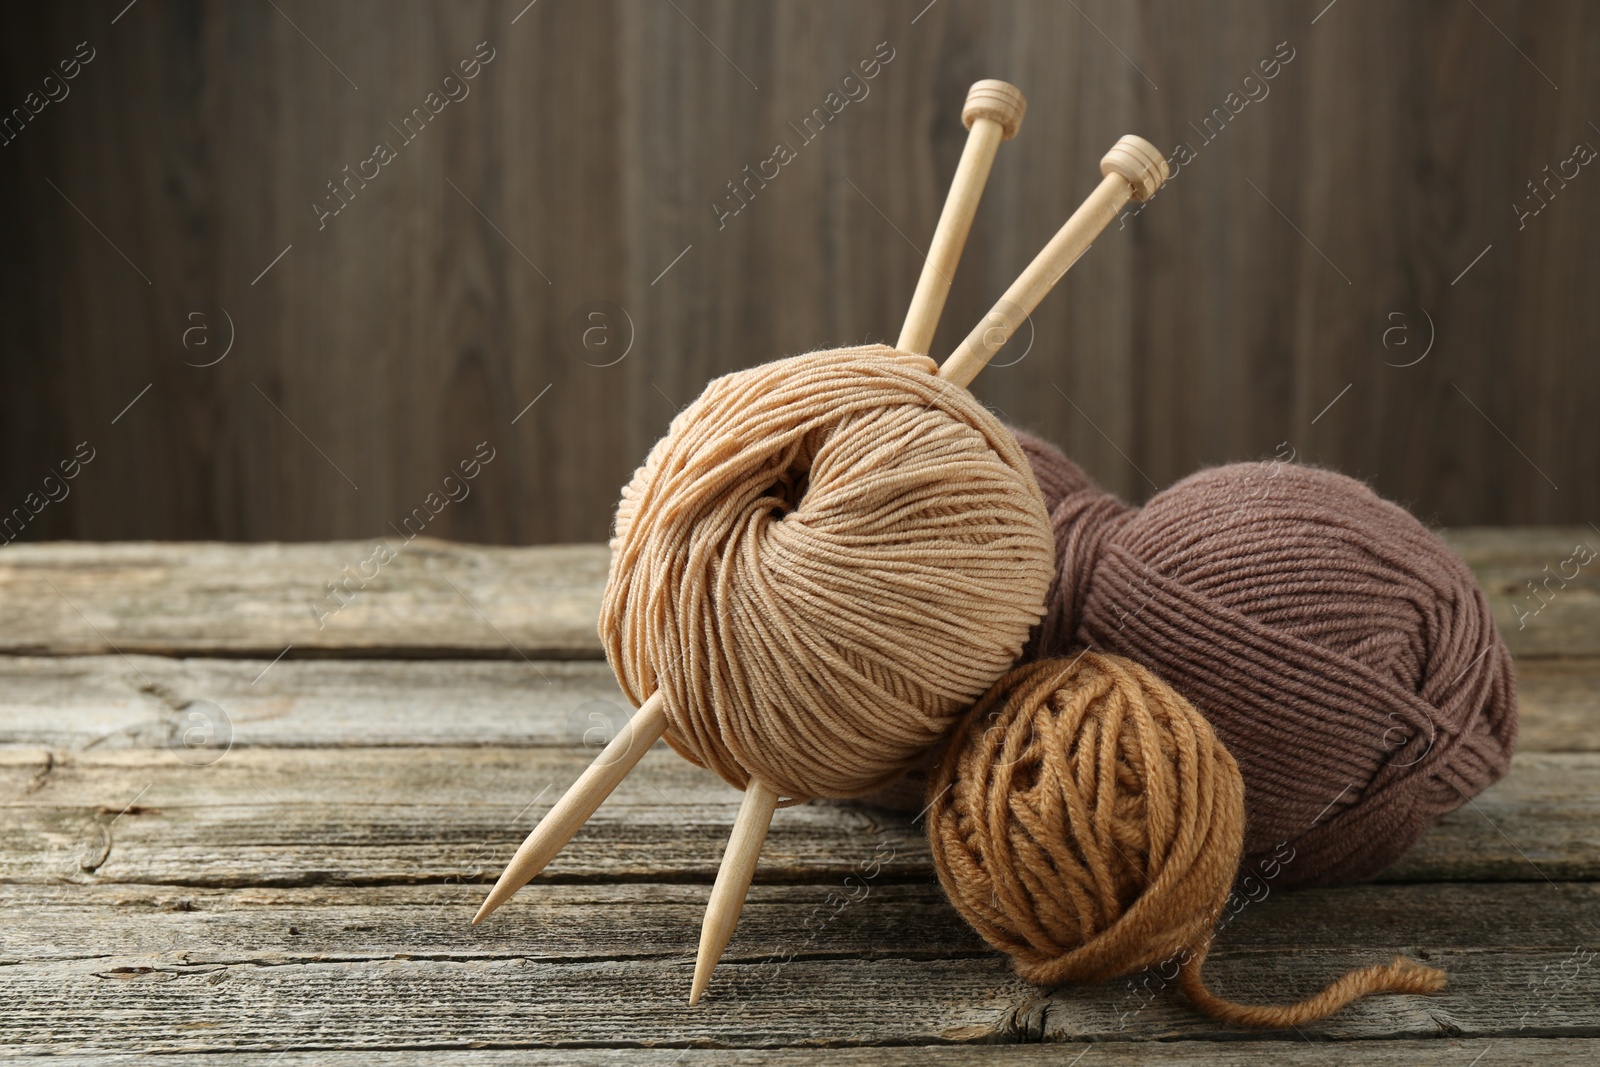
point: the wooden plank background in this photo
(452, 290)
(297, 888)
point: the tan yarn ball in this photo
(1087, 822)
(821, 565)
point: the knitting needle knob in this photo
(993, 113)
(1139, 163)
(1134, 170)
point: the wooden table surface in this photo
(213, 847)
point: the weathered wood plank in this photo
(1558, 705)
(1519, 547)
(410, 815)
(1552, 1052)
(433, 598)
(392, 816)
(1544, 584)
(178, 1006)
(437, 598)
(299, 820)
(111, 702)
(138, 949)
(868, 917)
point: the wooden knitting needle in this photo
(1133, 169)
(733, 881)
(993, 113)
(579, 802)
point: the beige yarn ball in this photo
(823, 563)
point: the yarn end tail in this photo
(1400, 975)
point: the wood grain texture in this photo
(437, 598)
(1557, 1052)
(515, 1002)
(297, 888)
(382, 816)
(585, 166)
(873, 918)
(432, 598)
(73, 703)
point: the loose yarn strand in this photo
(1400, 975)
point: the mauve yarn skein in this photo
(1343, 653)
(821, 566)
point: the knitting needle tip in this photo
(574, 808)
(733, 881)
